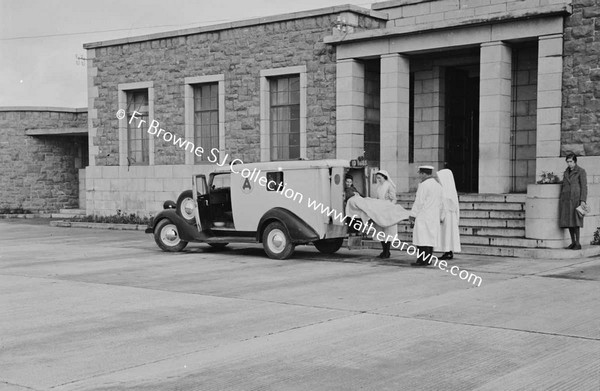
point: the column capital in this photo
(347, 60)
(494, 43)
(393, 55)
(551, 36)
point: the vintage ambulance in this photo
(279, 204)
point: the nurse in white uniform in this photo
(427, 212)
(449, 240)
(386, 190)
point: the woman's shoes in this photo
(570, 246)
(386, 250)
(577, 246)
(447, 256)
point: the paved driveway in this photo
(90, 309)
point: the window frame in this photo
(265, 107)
(123, 90)
(189, 84)
(292, 123)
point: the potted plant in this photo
(548, 178)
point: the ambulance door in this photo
(200, 193)
(336, 193)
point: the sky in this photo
(41, 39)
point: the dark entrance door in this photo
(462, 129)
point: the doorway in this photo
(461, 128)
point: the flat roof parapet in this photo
(242, 23)
(541, 11)
(45, 108)
(396, 3)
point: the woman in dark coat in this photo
(573, 192)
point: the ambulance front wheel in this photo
(329, 246)
(277, 242)
(167, 236)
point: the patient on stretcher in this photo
(349, 189)
(382, 212)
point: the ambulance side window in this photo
(221, 181)
(274, 180)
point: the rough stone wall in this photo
(581, 80)
(239, 54)
(39, 173)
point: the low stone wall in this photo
(137, 189)
(541, 215)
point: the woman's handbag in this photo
(583, 209)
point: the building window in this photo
(283, 106)
(204, 98)
(138, 147)
(284, 117)
(206, 118)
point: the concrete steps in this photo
(518, 198)
(494, 224)
(494, 240)
(507, 223)
(518, 232)
(481, 206)
(506, 251)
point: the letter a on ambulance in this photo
(246, 187)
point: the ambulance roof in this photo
(289, 165)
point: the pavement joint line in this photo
(488, 326)
(18, 385)
(350, 311)
(180, 355)
(568, 266)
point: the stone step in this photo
(511, 198)
(490, 240)
(492, 214)
(479, 205)
(506, 251)
(73, 211)
(484, 223)
(500, 223)
(478, 231)
(534, 253)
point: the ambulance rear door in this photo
(336, 194)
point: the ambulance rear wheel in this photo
(329, 246)
(277, 242)
(186, 206)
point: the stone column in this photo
(395, 90)
(350, 109)
(494, 118)
(549, 103)
(541, 215)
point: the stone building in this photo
(496, 90)
(43, 155)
